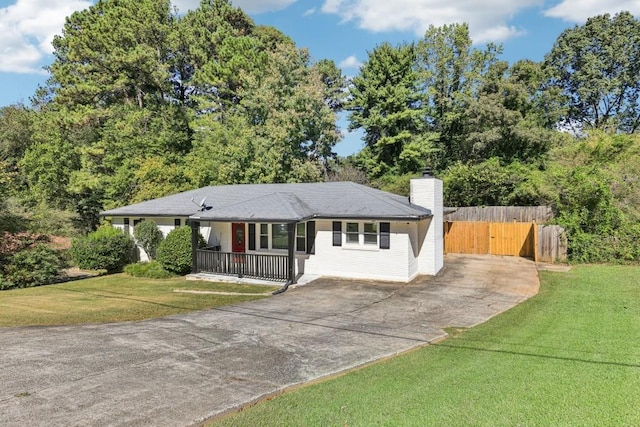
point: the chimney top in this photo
(426, 173)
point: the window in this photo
(352, 232)
(136, 222)
(364, 233)
(279, 238)
(276, 236)
(264, 236)
(301, 237)
(370, 233)
(177, 222)
(126, 226)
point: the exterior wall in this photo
(407, 256)
(165, 224)
(427, 192)
(359, 261)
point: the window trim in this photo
(366, 233)
(301, 247)
(348, 233)
(266, 235)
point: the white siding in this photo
(360, 261)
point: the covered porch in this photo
(274, 267)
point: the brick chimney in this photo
(426, 191)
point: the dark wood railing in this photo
(273, 267)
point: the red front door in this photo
(237, 233)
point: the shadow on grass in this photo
(540, 356)
(124, 297)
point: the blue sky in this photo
(341, 30)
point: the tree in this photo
(386, 104)
(113, 52)
(450, 76)
(276, 128)
(16, 133)
(506, 120)
(148, 236)
(596, 67)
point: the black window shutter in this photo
(337, 233)
(252, 237)
(385, 237)
(311, 237)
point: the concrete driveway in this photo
(181, 370)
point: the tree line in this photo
(142, 102)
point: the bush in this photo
(106, 248)
(151, 270)
(174, 253)
(148, 236)
(39, 265)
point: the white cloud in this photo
(579, 10)
(28, 28)
(487, 19)
(350, 62)
(309, 12)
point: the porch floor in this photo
(302, 280)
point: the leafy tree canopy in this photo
(596, 67)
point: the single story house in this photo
(281, 231)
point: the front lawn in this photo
(114, 298)
(569, 356)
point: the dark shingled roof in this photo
(279, 203)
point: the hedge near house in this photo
(106, 248)
(174, 252)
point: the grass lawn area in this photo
(569, 356)
(114, 298)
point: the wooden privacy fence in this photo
(538, 214)
(504, 238)
(552, 243)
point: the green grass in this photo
(569, 356)
(114, 298)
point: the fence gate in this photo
(492, 238)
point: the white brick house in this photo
(281, 231)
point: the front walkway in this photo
(180, 370)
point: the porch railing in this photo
(273, 267)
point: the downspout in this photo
(291, 237)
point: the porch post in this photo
(195, 229)
(291, 234)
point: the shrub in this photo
(151, 270)
(106, 248)
(39, 265)
(174, 253)
(148, 236)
